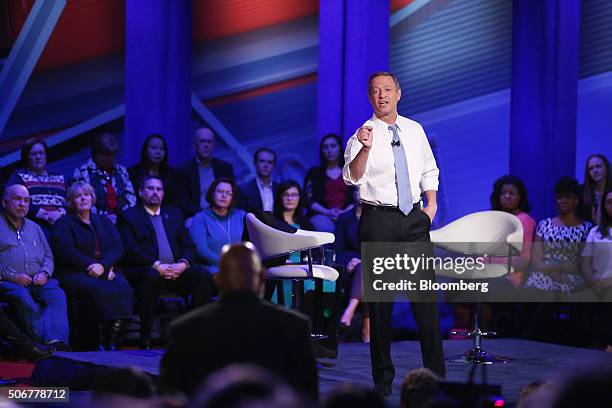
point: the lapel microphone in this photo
(395, 144)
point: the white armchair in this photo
(485, 233)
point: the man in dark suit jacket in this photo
(258, 194)
(202, 170)
(159, 252)
(239, 328)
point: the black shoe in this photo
(34, 351)
(145, 343)
(113, 335)
(324, 352)
(382, 390)
(101, 336)
(59, 345)
(28, 349)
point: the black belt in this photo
(388, 208)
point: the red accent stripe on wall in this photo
(221, 18)
(398, 4)
(86, 29)
(264, 90)
(90, 29)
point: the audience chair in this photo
(485, 233)
(272, 243)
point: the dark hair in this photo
(245, 385)
(513, 181)
(213, 186)
(588, 194)
(605, 219)
(105, 144)
(382, 73)
(143, 150)
(418, 386)
(150, 177)
(340, 155)
(27, 147)
(567, 186)
(278, 200)
(263, 149)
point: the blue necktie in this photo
(402, 178)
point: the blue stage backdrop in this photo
(453, 59)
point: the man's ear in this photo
(399, 94)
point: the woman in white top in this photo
(597, 270)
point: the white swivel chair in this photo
(272, 243)
(485, 233)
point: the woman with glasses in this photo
(288, 205)
(218, 224)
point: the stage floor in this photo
(531, 361)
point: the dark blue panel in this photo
(459, 53)
(284, 121)
(595, 37)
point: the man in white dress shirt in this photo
(390, 159)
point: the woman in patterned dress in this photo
(558, 243)
(47, 190)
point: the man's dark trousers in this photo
(377, 225)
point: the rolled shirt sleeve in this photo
(429, 178)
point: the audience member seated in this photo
(555, 258)
(288, 208)
(597, 270)
(328, 195)
(203, 170)
(239, 328)
(510, 195)
(354, 396)
(245, 385)
(159, 252)
(556, 267)
(258, 194)
(418, 387)
(22, 346)
(47, 190)
(218, 224)
(87, 249)
(348, 253)
(26, 267)
(110, 181)
(597, 179)
(154, 162)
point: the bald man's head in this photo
(204, 143)
(240, 269)
(16, 201)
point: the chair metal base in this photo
(479, 356)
